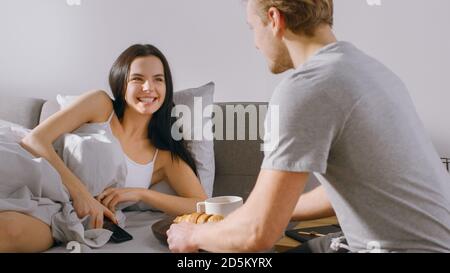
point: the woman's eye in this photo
(160, 80)
(136, 80)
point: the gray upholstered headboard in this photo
(237, 161)
(23, 111)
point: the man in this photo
(349, 118)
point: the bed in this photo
(138, 224)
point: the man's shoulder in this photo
(325, 80)
(321, 71)
(298, 91)
(309, 83)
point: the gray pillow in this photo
(202, 151)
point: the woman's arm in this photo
(179, 176)
(91, 107)
(183, 181)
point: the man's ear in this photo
(276, 21)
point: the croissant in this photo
(198, 218)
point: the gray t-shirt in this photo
(346, 116)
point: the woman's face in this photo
(146, 86)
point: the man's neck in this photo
(301, 47)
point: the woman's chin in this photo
(148, 110)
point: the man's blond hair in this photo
(302, 16)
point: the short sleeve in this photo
(301, 125)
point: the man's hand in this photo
(180, 238)
(113, 196)
(254, 227)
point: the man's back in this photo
(347, 116)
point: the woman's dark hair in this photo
(159, 128)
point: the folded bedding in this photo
(32, 186)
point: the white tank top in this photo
(139, 175)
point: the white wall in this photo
(49, 47)
(412, 38)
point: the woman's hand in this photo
(84, 204)
(112, 196)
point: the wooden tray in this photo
(160, 228)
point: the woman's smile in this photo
(148, 100)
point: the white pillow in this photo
(202, 151)
(4, 123)
(12, 132)
(65, 101)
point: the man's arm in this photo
(254, 227)
(313, 205)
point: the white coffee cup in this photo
(222, 205)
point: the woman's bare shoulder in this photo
(100, 101)
(164, 156)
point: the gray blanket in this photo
(32, 186)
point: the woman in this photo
(137, 124)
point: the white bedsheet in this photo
(138, 224)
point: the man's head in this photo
(270, 20)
